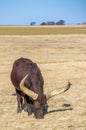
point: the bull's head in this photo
(40, 101)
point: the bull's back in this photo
(20, 69)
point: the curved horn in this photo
(27, 91)
(54, 93)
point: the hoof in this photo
(19, 110)
(25, 109)
(29, 113)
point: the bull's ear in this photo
(36, 104)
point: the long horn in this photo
(27, 91)
(54, 93)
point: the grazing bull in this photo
(28, 81)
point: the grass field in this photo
(61, 58)
(42, 30)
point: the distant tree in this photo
(51, 23)
(84, 23)
(43, 23)
(60, 22)
(33, 23)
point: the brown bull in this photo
(28, 81)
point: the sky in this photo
(23, 12)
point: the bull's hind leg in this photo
(19, 100)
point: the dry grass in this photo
(60, 58)
(42, 30)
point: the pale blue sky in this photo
(22, 12)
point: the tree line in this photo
(60, 22)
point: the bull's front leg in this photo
(29, 109)
(27, 105)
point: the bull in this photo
(28, 82)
